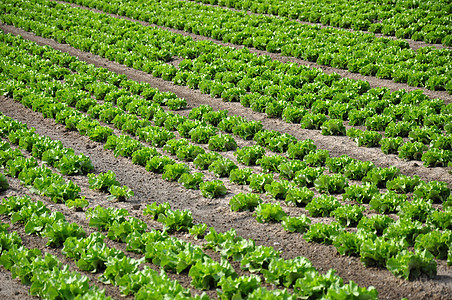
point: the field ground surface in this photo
(149, 187)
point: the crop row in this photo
(428, 67)
(355, 51)
(47, 276)
(91, 254)
(197, 131)
(422, 21)
(318, 158)
(273, 140)
(401, 113)
(327, 184)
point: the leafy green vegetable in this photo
(322, 206)
(189, 152)
(141, 157)
(380, 176)
(436, 191)
(120, 193)
(258, 182)
(411, 265)
(357, 170)
(348, 215)
(286, 272)
(307, 176)
(3, 183)
(299, 196)
(337, 164)
(300, 149)
(157, 164)
(206, 274)
(376, 252)
(331, 184)
(249, 155)
(191, 181)
(240, 176)
(198, 230)
(222, 167)
(238, 288)
(203, 161)
(174, 171)
(376, 223)
(241, 202)
(102, 218)
(271, 163)
(296, 224)
(316, 158)
(391, 145)
(278, 189)
(289, 169)
(435, 242)
(417, 209)
(154, 209)
(202, 134)
(269, 212)
(222, 142)
(176, 220)
(412, 150)
(103, 181)
(213, 189)
(333, 127)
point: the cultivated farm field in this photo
(261, 149)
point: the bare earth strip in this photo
(374, 82)
(150, 187)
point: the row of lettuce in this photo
(421, 21)
(306, 176)
(354, 51)
(91, 254)
(399, 114)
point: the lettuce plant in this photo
(213, 189)
(269, 212)
(331, 184)
(322, 206)
(191, 181)
(242, 202)
(296, 224)
(222, 167)
(222, 142)
(250, 154)
(240, 176)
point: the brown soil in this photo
(149, 187)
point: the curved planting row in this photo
(403, 114)
(91, 254)
(421, 21)
(327, 185)
(354, 51)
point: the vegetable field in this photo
(260, 149)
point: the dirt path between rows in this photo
(150, 187)
(373, 81)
